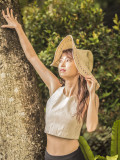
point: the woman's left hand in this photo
(91, 83)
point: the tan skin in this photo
(55, 145)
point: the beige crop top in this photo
(58, 116)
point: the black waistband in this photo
(67, 156)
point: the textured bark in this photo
(22, 134)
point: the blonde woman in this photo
(72, 101)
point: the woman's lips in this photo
(62, 70)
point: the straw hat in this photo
(83, 58)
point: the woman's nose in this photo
(63, 63)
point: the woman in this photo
(68, 104)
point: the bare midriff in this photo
(58, 146)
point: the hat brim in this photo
(67, 43)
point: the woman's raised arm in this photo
(51, 81)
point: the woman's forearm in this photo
(25, 43)
(92, 113)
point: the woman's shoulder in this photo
(54, 88)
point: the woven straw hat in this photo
(83, 58)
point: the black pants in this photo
(76, 155)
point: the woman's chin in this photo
(62, 75)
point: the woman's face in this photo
(66, 62)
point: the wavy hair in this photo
(82, 94)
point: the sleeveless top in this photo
(59, 119)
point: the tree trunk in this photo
(22, 122)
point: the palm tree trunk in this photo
(22, 134)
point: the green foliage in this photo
(115, 145)
(115, 141)
(98, 157)
(117, 23)
(99, 140)
(107, 4)
(23, 3)
(85, 148)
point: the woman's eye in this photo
(68, 60)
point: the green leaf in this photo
(112, 158)
(115, 102)
(109, 74)
(115, 139)
(116, 17)
(85, 148)
(116, 28)
(98, 157)
(106, 94)
(115, 21)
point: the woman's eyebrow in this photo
(67, 57)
